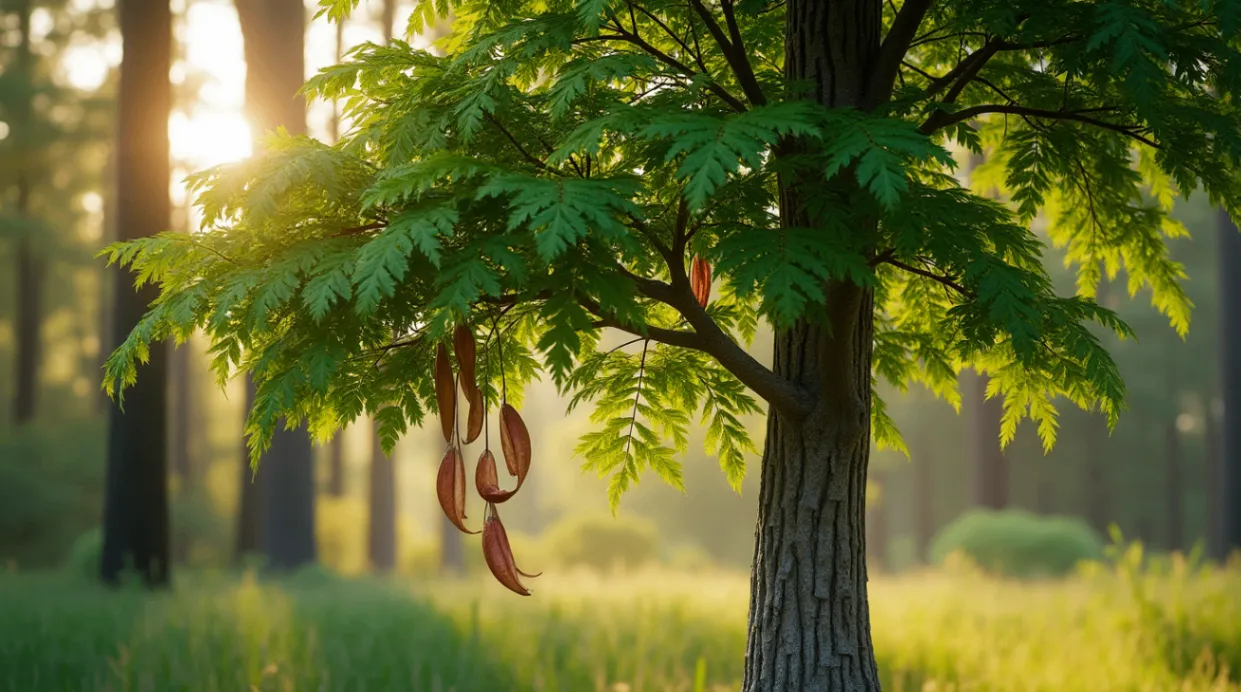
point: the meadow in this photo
(1132, 625)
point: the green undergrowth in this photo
(1138, 625)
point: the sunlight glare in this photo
(210, 138)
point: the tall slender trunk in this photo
(1097, 501)
(273, 33)
(877, 522)
(809, 621)
(924, 498)
(381, 529)
(990, 467)
(1173, 487)
(452, 550)
(1213, 477)
(336, 466)
(135, 520)
(29, 289)
(1230, 383)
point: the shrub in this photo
(1018, 543)
(84, 556)
(602, 542)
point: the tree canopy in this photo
(554, 173)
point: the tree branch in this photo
(733, 50)
(945, 280)
(517, 145)
(942, 119)
(892, 51)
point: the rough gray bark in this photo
(1230, 384)
(809, 621)
(381, 527)
(135, 521)
(274, 38)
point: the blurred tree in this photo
(793, 150)
(1230, 383)
(877, 515)
(1174, 490)
(924, 468)
(135, 518)
(381, 527)
(29, 274)
(278, 504)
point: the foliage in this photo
(51, 479)
(603, 543)
(931, 631)
(1017, 543)
(85, 555)
(551, 176)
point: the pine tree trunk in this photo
(381, 528)
(29, 289)
(809, 622)
(336, 465)
(990, 470)
(924, 499)
(274, 41)
(135, 523)
(1230, 383)
(248, 515)
(1173, 486)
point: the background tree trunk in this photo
(1173, 487)
(135, 523)
(29, 289)
(1214, 476)
(381, 529)
(273, 32)
(809, 622)
(990, 467)
(336, 465)
(877, 522)
(924, 499)
(1098, 511)
(1230, 383)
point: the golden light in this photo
(209, 138)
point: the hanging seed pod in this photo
(498, 554)
(474, 423)
(445, 391)
(487, 481)
(514, 441)
(450, 488)
(465, 349)
(700, 280)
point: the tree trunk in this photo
(990, 467)
(1098, 503)
(282, 499)
(924, 499)
(452, 550)
(1173, 486)
(336, 465)
(381, 529)
(1213, 478)
(809, 621)
(1230, 383)
(181, 453)
(29, 289)
(877, 523)
(135, 522)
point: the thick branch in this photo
(892, 52)
(943, 119)
(733, 50)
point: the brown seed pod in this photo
(499, 554)
(450, 488)
(445, 392)
(700, 280)
(514, 441)
(465, 349)
(474, 424)
(487, 481)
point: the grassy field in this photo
(1175, 627)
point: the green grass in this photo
(1175, 628)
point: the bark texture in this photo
(135, 522)
(809, 622)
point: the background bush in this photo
(602, 542)
(1017, 543)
